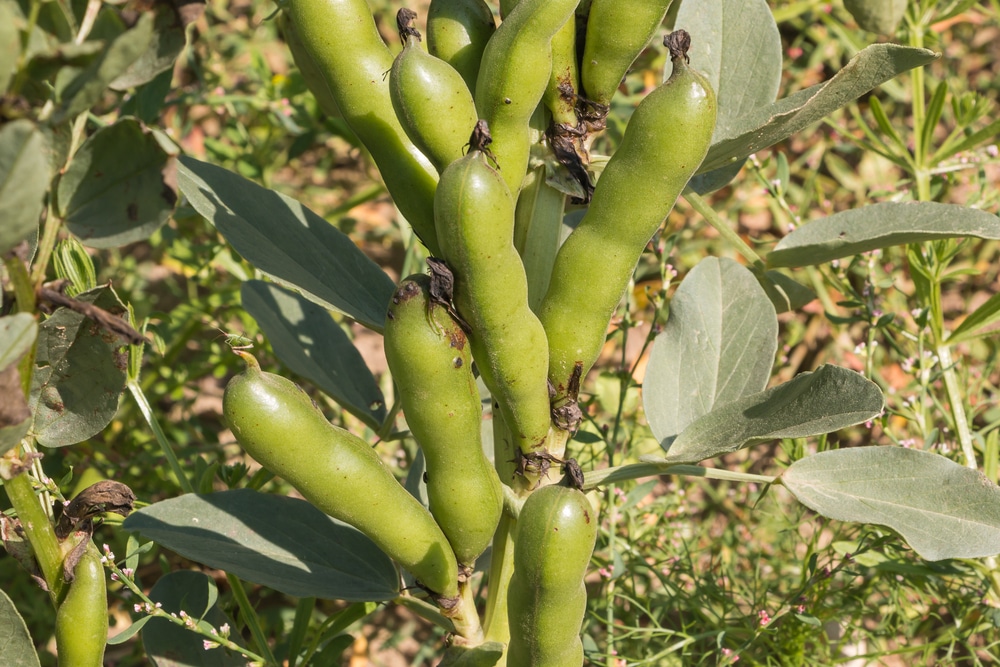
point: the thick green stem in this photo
(962, 429)
(38, 529)
(465, 617)
(495, 625)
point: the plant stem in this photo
(712, 218)
(595, 478)
(250, 618)
(465, 617)
(962, 429)
(38, 529)
(154, 425)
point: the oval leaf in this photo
(942, 509)
(880, 226)
(284, 543)
(286, 240)
(79, 373)
(717, 346)
(767, 126)
(736, 45)
(24, 179)
(878, 16)
(17, 334)
(310, 343)
(84, 90)
(120, 187)
(16, 646)
(167, 643)
(810, 404)
(167, 43)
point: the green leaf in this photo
(981, 317)
(786, 293)
(129, 632)
(24, 179)
(311, 344)
(17, 334)
(167, 643)
(942, 509)
(86, 88)
(16, 646)
(880, 226)
(120, 187)
(717, 346)
(767, 126)
(878, 16)
(810, 404)
(10, 45)
(284, 543)
(736, 45)
(290, 243)
(79, 373)
(167, 42)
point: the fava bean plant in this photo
(527, 211)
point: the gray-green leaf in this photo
(16, 646)
(120, 187)
(717, 346)
(286, 240)
(79, 374)
(284, 543)
(878, 16)
(810, 404)
(767, 126)
(880, 226)
(86, 88)
(24, 179)
(942, 509)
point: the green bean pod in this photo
(311, 73)
(342, 40)
(474, 212)
(457, 33)
(275, 421)
(617, 32)
(546, 602)
(564, 80)
(513, 75)
(431, 99)
(82, 617)
(666, 140)
(431, 363)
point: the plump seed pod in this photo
(430, 360)
(311, 73)
(513, 75)
(555, 536)
(560, 93)
(666, 139)
(431, 99)
(457, 33)
(617, 32)
(474, 215)
(82, 617)
(341, 38)
(278, 425)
